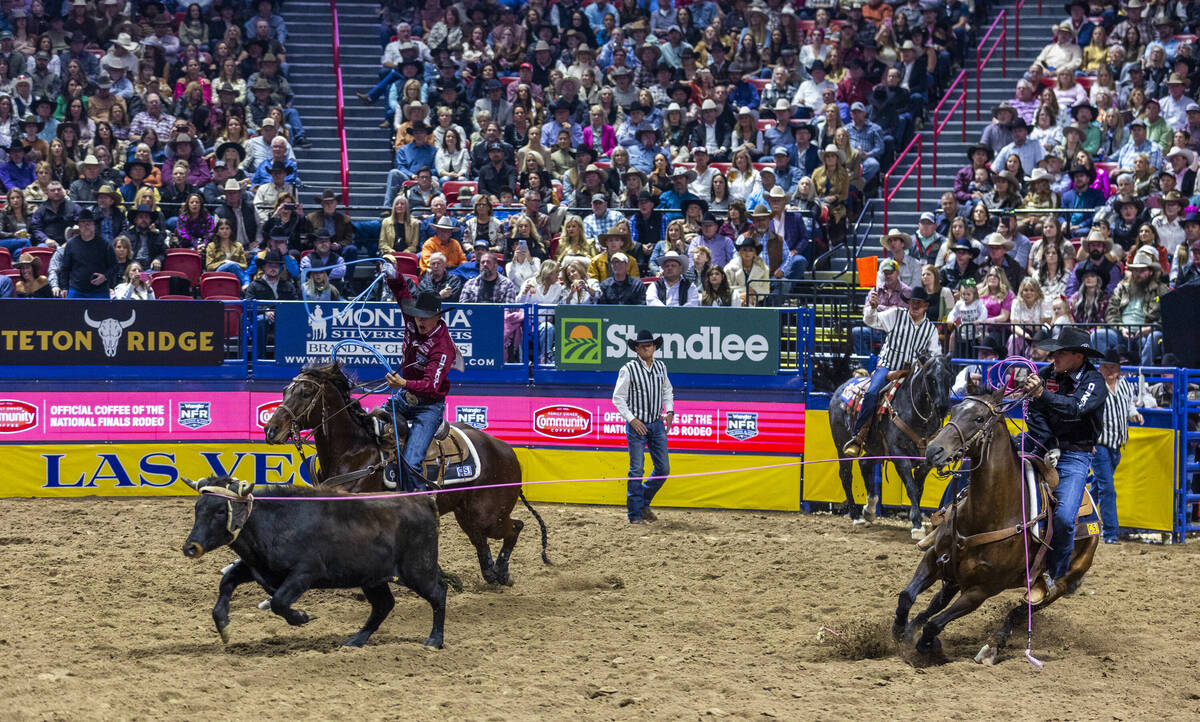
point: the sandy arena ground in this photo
(704, 614)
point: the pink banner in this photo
(726, 425)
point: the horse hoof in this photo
(223, 630)
(869, 508)
(858, 522)
(354, 641)
(265, 604)
(987, 655)
(433, 644)
(917, 534)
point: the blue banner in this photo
(309, 335)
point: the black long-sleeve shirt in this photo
(83, 258)
(1070, 411)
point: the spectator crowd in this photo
(1078, 203)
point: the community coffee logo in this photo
(741, 425)
(581, 341)
(266, 411)
(562, 421)
(475, 416)
(16, 416)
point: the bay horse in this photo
(349, 450)
(980, 550)
(918, 407)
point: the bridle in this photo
(984, 433)
(300, 437)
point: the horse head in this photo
(302, 407)
(969, 427)
(939, 379)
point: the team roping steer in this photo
(290, 545)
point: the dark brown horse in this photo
(979, 551)
(350, 455)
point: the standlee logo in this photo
(475, 416)
(741, 425)
(195, 414)
(266, 411)
(707, 344)
(16, 416)
(581, 341)
(562, 421)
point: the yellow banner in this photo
(154, 469)
(1144, 480)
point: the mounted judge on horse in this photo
(992, 539)
(357, 451)
(914, 378)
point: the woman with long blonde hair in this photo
(573, 243)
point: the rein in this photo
(299, 437)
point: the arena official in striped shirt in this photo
(1119, 410)
(645, 399)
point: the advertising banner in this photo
(546, 421)
(309, 335)
(695, 340)
(129, 333)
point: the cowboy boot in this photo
(853, 448)
(1043, 588)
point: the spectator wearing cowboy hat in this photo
(712, 131)
(1135, 306)
(600, 267)
(672, 289)
(1064, 51)
(410, 158)
(1082, 199)
(335, 223)
(271, 285)
(442, 241)
(998, 256)
(1189, 273)
(17, 172)
(1180, 162)
(1095, 256)
(1029, 151)
(31, 282)
(1175, 103)
(748, 275)
(721, 249)
(896, 245)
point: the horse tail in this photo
(542, 524)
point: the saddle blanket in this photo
(1087, 523)
(460, 465)
(853, 392)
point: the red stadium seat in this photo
(685, 164)
(509, 80)
(11, 273)
(765, 124)
(413, 278)
(603, 164)
(45, 254)
(451, 187)
(723, 167)
(760, 166)
(5, 259)
(186, 261)
(161, 282)
(220, 284)
(173, 297)
(760, 83)
(647, 280)
(407, 263)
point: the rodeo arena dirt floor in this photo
(703, 614)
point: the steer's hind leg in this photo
(382, 601)
(286, 595)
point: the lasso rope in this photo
(1008, 368)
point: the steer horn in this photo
(88, 320)
(194, 484)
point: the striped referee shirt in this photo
(643, 392)
(1119, 408)
(905, 339)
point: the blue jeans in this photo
(425, 420)
(16, 244)
(1072, 477)
(72, 293)
(1104, 466)
(234, 268)
(864, 338)
(291, 116)
(385, 82)
(871, 398)
(1141, 346)
(639, 494)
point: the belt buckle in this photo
(411, 398)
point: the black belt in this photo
(1086, 449)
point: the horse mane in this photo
(335, 374)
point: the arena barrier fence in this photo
(958, 106)
(341, 103)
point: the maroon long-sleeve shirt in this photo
(428, 357)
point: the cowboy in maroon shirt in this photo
(423, 380)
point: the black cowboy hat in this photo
(1111, 356)
(241, 151)
(1069, 338)
(1076, 108)
(1018, 123)
(748, 242)
(963, 244)
(683, 205)
(982, 146)
(991, 343)
(1081, 3)
(140, 164)
(1091, 173)
(917, 294)
(644, 336)
(427, 304)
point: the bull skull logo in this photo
(110, 330)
